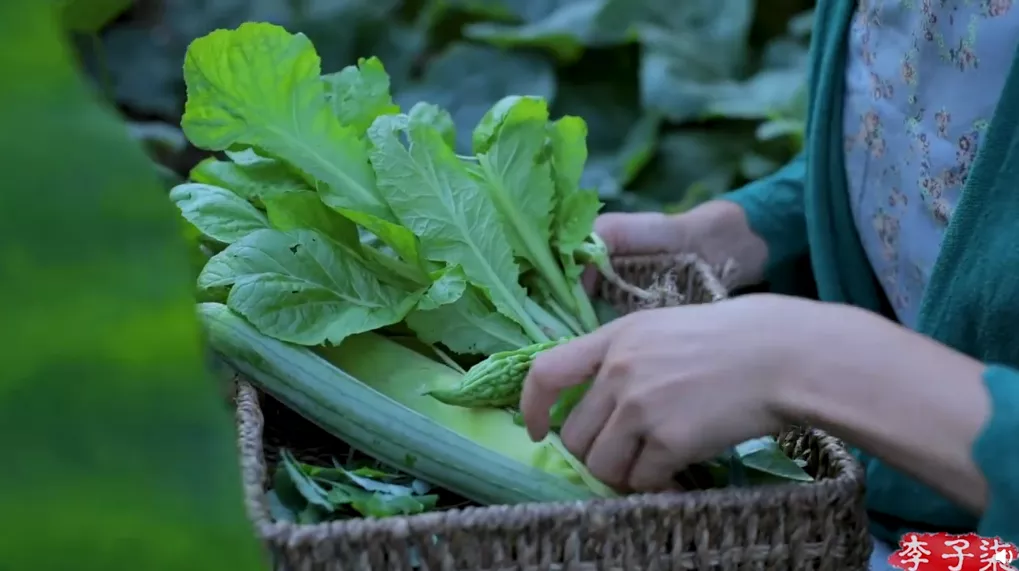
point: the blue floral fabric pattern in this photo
(922, 80)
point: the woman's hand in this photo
(675, 386)
(717, 231)
(672, 387)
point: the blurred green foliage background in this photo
(120, 450)
(684, 99)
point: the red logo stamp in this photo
(944, 552)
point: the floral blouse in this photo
(922, 80)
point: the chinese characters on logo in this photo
(944, 552)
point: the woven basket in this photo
(818, 526)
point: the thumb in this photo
(559, 368)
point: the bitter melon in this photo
(495, 382)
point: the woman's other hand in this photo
(717, 231)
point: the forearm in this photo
(915, 404)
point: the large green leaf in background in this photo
(118, 448)
(648, 76)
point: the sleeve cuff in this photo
(774, 209)
(996, 453)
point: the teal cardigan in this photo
(972, 300)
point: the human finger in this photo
(614, 450)
(653, 468)
(556, 369)
(586, 420)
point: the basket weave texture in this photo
(817, 526)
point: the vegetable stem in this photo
(446, 359)
(532, 328)
(596, 252)
(585, 311)
(551, 326)
(565, 317)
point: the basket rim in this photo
(845, 486)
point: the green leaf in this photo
(448, 286)
(303, 287)
(312, 492)
(371, 485)
(305, 210)
(437, 11)
(764, 455)
(312, 515)
(380, 505)
(108, 414)
(277, 509)
(253, 179)
(339, 494)
(260, 86)
(620, 137)
(565, 31)
(285, 489)
(568, 136)
(482, 75)
(468, 326)
(692, 53)
(777, 128)
(516, 173)
(248, 156)
(484, 133)
(432, 192)
(437, 117)
(519, 179)
(216, 212)
(576, 209)
(708, 159)
(360, 93)
(566, 402)
(760, 97)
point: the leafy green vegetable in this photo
(516, 172)
(393, 230)
(304, 209)
(763, 455)
(248, 176)
(434, 195)
(468, 325)
(218, 213)
(360, 94)
(279, 106)
(316, 493)
(303, 287)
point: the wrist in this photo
(829, 352)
